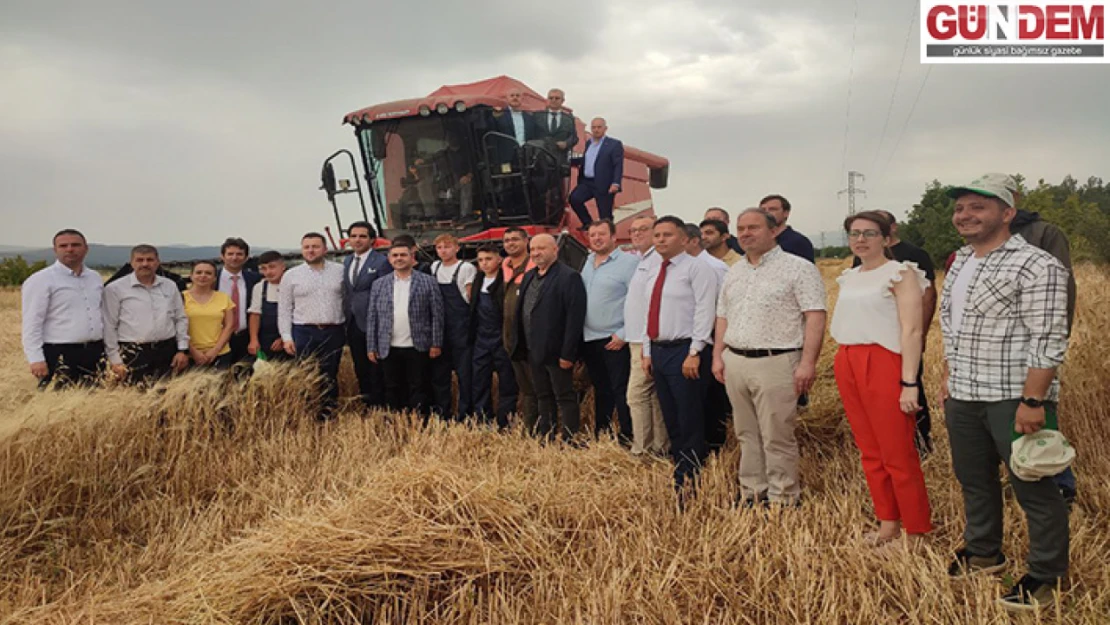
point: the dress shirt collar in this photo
(397, 277)
(678, 259)
(232, 274)
(598, 142)
(60, 268)
(771, 254)
(616, 253)
(135, 281)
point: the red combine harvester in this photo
(437, 165)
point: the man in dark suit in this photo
(600, 172)
(360, 270)
(551, 312)
(238, 282)
(404, 330)
(556, 127)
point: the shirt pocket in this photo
(995, 297)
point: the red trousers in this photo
(868, 378)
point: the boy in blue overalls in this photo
(262, 316)
(488, 351)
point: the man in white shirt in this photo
(678, 335)
(146, 332)
(238, 282)
(770, 321)
(717, 414)
(310, 315)
(649, 431)
(454, 278)
(63, 334)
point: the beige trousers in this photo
(649, 431)
(764, 412)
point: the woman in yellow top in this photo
(211, 319)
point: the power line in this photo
(851, 72)
(897, 80)
(905, 125)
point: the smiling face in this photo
(515, 244)
(978, 218)
(234, 257)
(400, 258)
(203, 275)
(601, 238)
(312, 250)
(70, 250)
(669, 239)
(640, 233)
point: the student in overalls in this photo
(263, 312)
(487, 300)
(454, 278)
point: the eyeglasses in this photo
(866, 234)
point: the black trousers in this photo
(717, 413)
(238, 344)
(585, 191)
(148, 362)
(70, 364)
(406, 372)
(456, 357)
(609, 371)
(924, 420)
(683, 403)
(371, 381)
(556, 401)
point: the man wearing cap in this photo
(1004, 317)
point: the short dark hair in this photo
(144, 248)
(68, 231)
(517, 229)
(878, 217)
(716, 224)
(608, 223)
(403, 239)
(674, 221)
(315, 235)
(270, 257)
(204, 262)
(889, 215)
(692, 231)
(718, 208)
(363, 224)
(489, 247)
(235, 242)
(775, 196)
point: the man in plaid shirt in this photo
(1003, 312)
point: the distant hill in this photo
(115, 255)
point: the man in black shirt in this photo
(903, 251)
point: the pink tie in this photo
(235, 300)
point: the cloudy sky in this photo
(186, 122)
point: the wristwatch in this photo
(694, 352)
(1032, 402)
(906, 384)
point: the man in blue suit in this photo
(360, 270)
(238, 282)
(600, 172)
(404, 330)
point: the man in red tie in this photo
(677, 348)
(238, 282)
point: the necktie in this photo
(656, 302)
(554, 121)
(235, 300)
(354, 273)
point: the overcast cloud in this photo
(187, 122)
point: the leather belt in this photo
(81, 345)
(760, 353)
(674, 343)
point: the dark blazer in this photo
(502, 121)
(425, 314)
(250, 277)
(609, 166)
(557, 321)
(497, 291)
(564, 131)
(357, 294)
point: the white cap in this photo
(1042, 454)
(999, 186)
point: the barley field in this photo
(222, 502)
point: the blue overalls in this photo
(456, 354)
(268, 326)
(490, 356)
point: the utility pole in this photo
(852, 191)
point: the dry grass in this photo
(238, 509)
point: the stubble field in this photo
(215, 502)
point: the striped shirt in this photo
(1015, 319)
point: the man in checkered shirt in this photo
(1003, 312)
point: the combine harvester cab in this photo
(438, 164)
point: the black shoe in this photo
(969, 564)
(1069, 495)
(1029, 594)
(750, 503)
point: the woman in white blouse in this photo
(877, 323)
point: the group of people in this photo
(688, 326)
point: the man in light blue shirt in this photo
(607, 274)
(600, 174)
